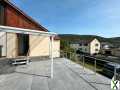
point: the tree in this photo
(65, 46)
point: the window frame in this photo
(80, 44)
(85, 44)
(96, 50)
(96, 44)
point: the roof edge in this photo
(24, 14)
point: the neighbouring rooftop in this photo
(67, 76)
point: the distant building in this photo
(116, 52)
(111, 52)
(106, 45)
(109, 49)
(91, 46)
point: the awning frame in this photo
(51, 36)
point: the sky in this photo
(84, 17)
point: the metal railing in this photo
(93, 63)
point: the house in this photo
(111, 52)
(109, 49)
(90, 46)
(116, 52)
(106, 45)
(14, 44)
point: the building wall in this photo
(74, 46)
(11, 45)
(8, 41)
(85, 49)
(112, 51)
(90, 48)
(39, 46)
(93, 46)
(116, 52)
(3, 43)
(82, 48)
(56, 49)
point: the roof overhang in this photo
(25, 31)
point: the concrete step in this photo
(21, 60)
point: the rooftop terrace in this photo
(67, 76)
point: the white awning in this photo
(33, 32)
(25, 31)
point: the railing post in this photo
(83, 62)
(76, 57)
(115, 73)
(66, 54)
(70, 55)
(62, 54)
(95, 66)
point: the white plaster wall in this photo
(3, 42)
(56, 48)
(39, 46)
(11, 45)
(74, 46)
(93, 46)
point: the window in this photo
(85, 44)
(85, 49)
(96, 44)
(96, 49)
(80, 44)
(80, 49)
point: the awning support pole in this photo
(51, 49)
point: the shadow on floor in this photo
(6, 67)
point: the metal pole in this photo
(115, 73)
(50, 47)
(70, 56)
(83, 62)
(6, 44)
(63, 54)
(66, 54)
(76, 59)
(51, 56)
(95, 65)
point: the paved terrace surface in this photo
(67, 76)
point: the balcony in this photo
(67, 76)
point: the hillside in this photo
(72, 37)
